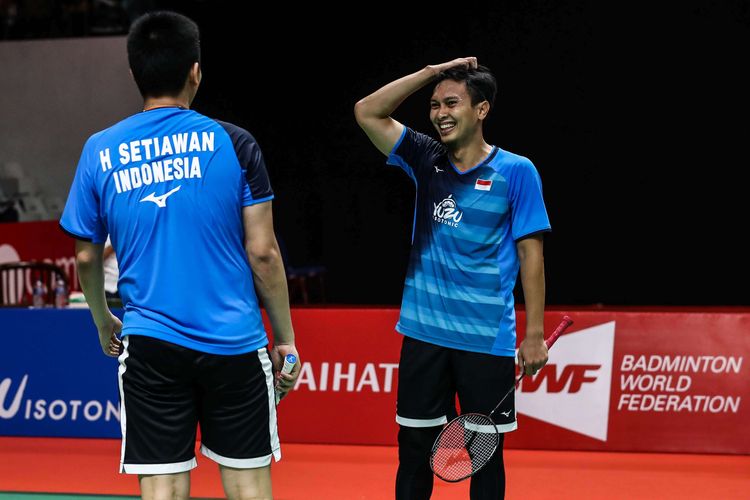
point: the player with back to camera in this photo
(479, 219)
(187, 202)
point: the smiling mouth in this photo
(446, 127)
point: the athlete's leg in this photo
(489, 483)
(414, 478)
(158, 416)
(238, 421)
(245, 484)
(481, 381)
(426, 401)
(165, 486)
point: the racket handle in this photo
(564, 324)
(289, 361)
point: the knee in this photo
(246, 484)
(249, 495)
(165, 487)
(249, 492)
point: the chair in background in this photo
(306, 283)
(17, 281)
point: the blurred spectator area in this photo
(21, 199)
(29, 19)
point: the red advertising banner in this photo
(617, 381)
(41, 241)
(346, 391)
(649, 380)
(670, 382)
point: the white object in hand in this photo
(289, 361)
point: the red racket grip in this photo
(564, 324)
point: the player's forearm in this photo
(533, 284)
(384, 101)
(91, 276)
(271, 285)
(533, 292)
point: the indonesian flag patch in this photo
(483, 185)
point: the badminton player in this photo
(479, 219)
(187, 202)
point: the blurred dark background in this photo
(635, 116)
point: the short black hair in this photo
(162, 47)
(480, 82)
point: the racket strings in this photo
(464, 447)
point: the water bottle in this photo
(61, 294)
(38, 294)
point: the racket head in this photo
(464, 446)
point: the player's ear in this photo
(195, 74)
(483, 110)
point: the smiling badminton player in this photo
(479, 218)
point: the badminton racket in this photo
(470, 440)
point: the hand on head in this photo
(461, 62)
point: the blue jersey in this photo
(169, 185)
(464, 264)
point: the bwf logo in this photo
(572, 391)
(570, 379)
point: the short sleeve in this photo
(528, 212)
(256, 186)
(81, 217)
(414, 152)
(256, 175)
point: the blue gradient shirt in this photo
(169, 185)
(464, 264)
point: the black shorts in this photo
(167, 389)
(430, 377)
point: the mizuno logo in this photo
(505, 413)
(438, 170)
(161, 200)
